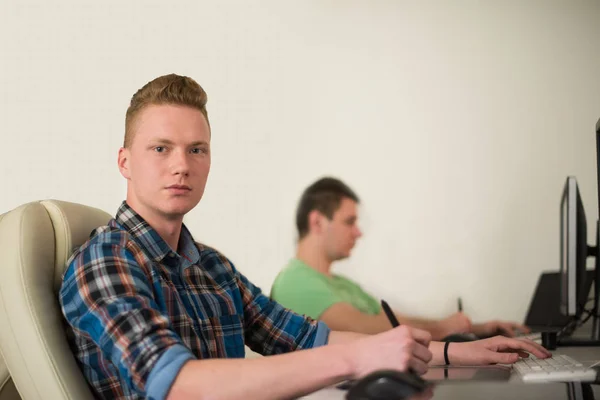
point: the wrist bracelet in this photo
(446, 353)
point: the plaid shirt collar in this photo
(151, 241)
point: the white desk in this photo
(514, 388)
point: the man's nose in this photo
(180, 163)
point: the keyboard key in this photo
(559, 368)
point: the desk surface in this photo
(514, 388)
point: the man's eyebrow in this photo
(199, 143)
(170, 142)
(161, 141)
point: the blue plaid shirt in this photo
(138, 311)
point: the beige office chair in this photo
(36, 239)
(8, 391)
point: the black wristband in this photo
(446, 353)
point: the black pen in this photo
(390, 315)
(394, 321)
(460, 305)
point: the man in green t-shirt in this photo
(326, 220)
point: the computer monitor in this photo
(573, 251)
(598, 162)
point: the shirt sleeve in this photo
(272, 329)
(107, 296)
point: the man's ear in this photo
(123, 162)
(315, 221)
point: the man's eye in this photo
(159, 149)
(198, 150)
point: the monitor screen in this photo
(566, 208)
(573, 250)
(598, 162)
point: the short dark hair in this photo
(325, 196)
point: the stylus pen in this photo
(460, 305)
(390, 315)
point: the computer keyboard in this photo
(536, 337)
(559, 368)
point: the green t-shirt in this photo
(306, 291)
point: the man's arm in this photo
(354, 355)
(339, 337)
(274, 377)
(294, 374)
(344, 317)
(439, 329)
(505, 328)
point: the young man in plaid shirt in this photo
(153, 314)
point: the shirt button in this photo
(171, 254)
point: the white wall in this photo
(456, 122)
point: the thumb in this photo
(502, 358)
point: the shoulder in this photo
(106, 248)
(103, 239)
(106, 244)
(299, 276)
(297, 269)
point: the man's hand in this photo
(492, 328)
(495, 350)
(456, 323)
(401, 348)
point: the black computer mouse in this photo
(386, 385)
(460, 337)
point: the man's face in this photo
(168, 161)
(342, 232)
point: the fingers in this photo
(504, 344)
(502, 358)
(522, 354)
(420, 336)
(507, 329)
(422, 353)
(417, 343)
(522, 328)
(414, 349)
(468, 322)
(417, 365)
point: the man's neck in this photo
(312, 255)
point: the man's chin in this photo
(341, 257)
(178, 209)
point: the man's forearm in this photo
(273, 377)
(432, 326)
(339, 337)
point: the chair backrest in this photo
(7, 387)
(36, 239)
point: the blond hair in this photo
(168, 89)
